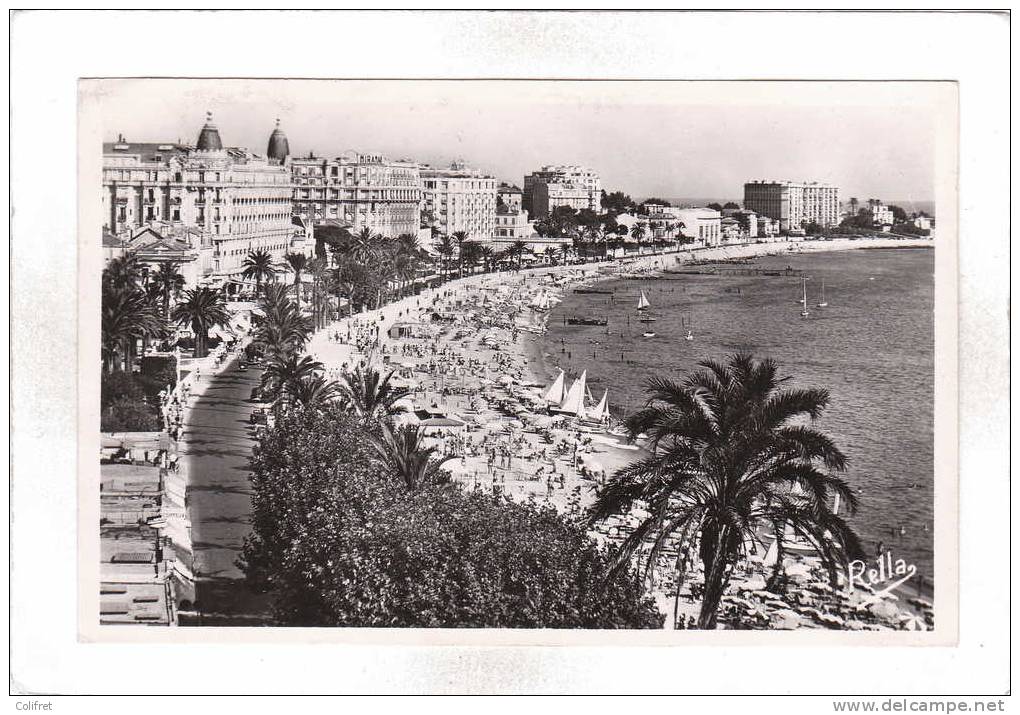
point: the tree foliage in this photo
(338, 541)
(731, 453)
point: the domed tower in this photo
(278, 149)
(209, 137)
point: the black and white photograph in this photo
(509, 352)
(518, 354)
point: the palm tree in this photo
(446, 248)
(311, 392)
(202, 308)
(168, 282)
(259, 265)
(518, 248)
(470, 254)
(371, 396)
(403, 454)
(318, 272)
(127, 315)
(486, 255)
(460, 237)
(297, 262)
(731, 455)
(287, 367)
(123, 272)
(638, 232)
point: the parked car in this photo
(256, 394)
(242, 366)
(258, 416)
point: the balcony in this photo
(199, 202)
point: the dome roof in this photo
(209, 137)
(278, 149)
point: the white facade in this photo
(793, 204)
(553, 186)
(881, 215)
(700, 224)
(225, 201)
(359, 190)
(459, 199)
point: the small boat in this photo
(824, 302)
(643, 303)
(587, 321)
(689, 336)
(805, 313)
(648, 334)
(647, 319)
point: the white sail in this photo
(573, 403)
(643, 301)
(601, 411)
(554, 395)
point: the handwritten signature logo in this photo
(881, 576)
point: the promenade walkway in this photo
(215, 447)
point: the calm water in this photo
(872, 347)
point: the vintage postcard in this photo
(529, 362)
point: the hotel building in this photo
(359, 191)
(881, 215)
(553, 186)
(793, 204)
(220, 203)
(459, 199)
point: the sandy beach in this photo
(470, 353)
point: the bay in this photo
(872, 347)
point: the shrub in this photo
(338, 542)
(126, 414)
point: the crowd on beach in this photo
(460, 351)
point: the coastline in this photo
(471, 326)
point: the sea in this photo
(872, 347)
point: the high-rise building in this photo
(359, 191)
(793, 204)
(553, 186)
(459, 199)
(219, 202)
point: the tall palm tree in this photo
(372, 396)
(285, 368)
(445, 247)
(486, 255)
(459, 237)
(731, 455)
(311, 392)
(298, 262)
(318, 272)
(518, 248)
(123, 272)
(402, 452)
(259, 265)
(637, 231)
(127, 315)
(470, 254)
(168, 282)
(201, 308)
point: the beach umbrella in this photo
(785, 619)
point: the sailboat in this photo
(554, 395)
(804, 312)
(824, 302)
(573, 402)
(643, 303)
(601, 411)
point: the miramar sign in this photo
(880, 576)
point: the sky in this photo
(666, 139)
